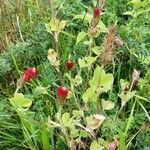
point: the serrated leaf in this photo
(65, 118)
(81, 36)
(107, 105)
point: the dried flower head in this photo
(118, 41)
(53, 58)
(135, 76)
(97, 120)
(108, 46)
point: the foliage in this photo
(106, 100)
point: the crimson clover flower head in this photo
(69, 64)
(62, 92)
(29, 73)
(96, 12)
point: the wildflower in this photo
(69, 64)
(96, 12)
(62, 93)
(29, 73)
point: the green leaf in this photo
(81, 36)
(62, 25)
(86, 61)
(101, 81)
(125, 97)
(96, 146)
(77, 113)
(122, 141)
(65, 118)
(96, 50)
(70, 95)
(19, 101)
(83, 133)
(54, 24)
(48, 28)
(89, 95)
(107, 105)
(88, 17)
(102, 27)
(45, 138)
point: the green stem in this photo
(15, 63)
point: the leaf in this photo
(102, 27)
(107, 105)
(88, 17)
(125, 97)
(54, 24)
(81, 36)
(83, 133)
(77, 113)
(122, 141)
(89, 95)
(86, 61)
(70, 95)
(96, 50)
(45, 137)
(101, 81)
(77, 80)
(65, 118)
(48, 28)
(94, 121)
(96, 146)
(62, 25)
(19, 101)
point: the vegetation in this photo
(75, 75)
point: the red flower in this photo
(29, 73)
(62, 92)
(69, 64)
(97, 12)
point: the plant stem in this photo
(15, 63)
